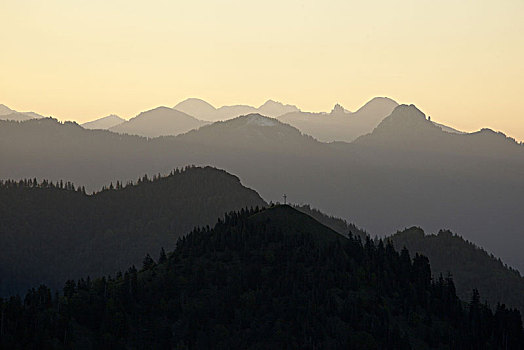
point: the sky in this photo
(461, 62)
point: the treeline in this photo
(51, 232)
(69, 186)
(269, 278)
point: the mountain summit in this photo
(161, 121)
(196, 107)
(405, 119)
(275, 109)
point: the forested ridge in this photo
(50, 232)
(336, 224)
(270, 278)
(470, 265)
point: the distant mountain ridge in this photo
(160, 121)
(340, 124)
(337, 125)
(205, 111)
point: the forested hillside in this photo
(336, 224)
(274, 278)
(471, 266)
(51, 232)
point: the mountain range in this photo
(337, 125)
(406, 172)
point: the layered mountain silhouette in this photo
(337, 125)
(406, 172)
(104, 123)
(51, 232)
(161, 121)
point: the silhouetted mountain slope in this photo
(269, 279)
(49, 234)
(449, 129)
(407, 172)
(7, 113)
(336, 224)
(471, 266)
(158, 122)
(5, 110)
(341, 125)
(104, 123)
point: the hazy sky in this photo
(462, 62)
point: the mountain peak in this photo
(159, 121)
(195, 107)
(405, 122)
(338, 109)
(260, 120)
(291, 220)
(377, 103)
(273, 108)
(406, 117)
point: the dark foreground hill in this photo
(269, 279)
(471, 266)
(52, 232)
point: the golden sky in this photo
(462, 62)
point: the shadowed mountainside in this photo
(51, 232)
